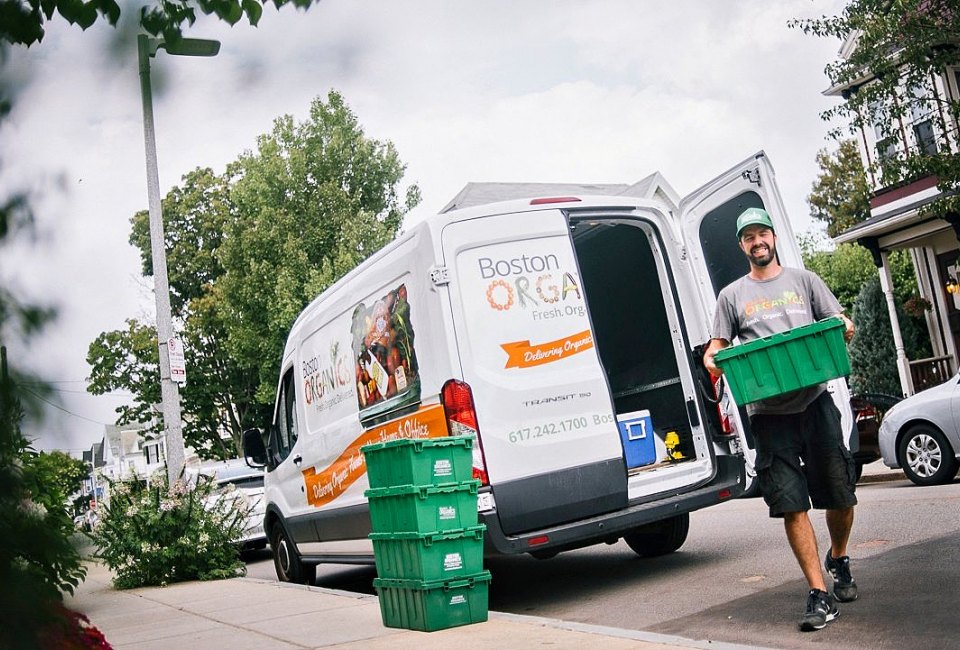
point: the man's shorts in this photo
(827, 475)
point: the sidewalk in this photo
(249, 613)
(246, 613)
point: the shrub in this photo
(37, 560)
(150, 534)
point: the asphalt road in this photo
(735, 580)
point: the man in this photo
(803, 425)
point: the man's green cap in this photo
(753, 217)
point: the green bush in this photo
(37, 560)
(152, 535)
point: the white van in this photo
(565, 333)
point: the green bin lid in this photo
(401, 583)
(781, 337)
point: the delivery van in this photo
(564, 333)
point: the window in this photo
(152, 452)
(925, 140)
(285, 428)
(925, 137)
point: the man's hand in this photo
(715, 346)
(849, 332)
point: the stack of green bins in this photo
(427, 542)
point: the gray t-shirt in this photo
(752, 309)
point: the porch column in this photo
(886, 284)
(903, 365)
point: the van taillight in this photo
(723, 402)
(457, 399)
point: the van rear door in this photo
(526, 346)
(708, 218)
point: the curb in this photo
(892, 475)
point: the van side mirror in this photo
(254, 451)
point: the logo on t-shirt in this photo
(761, 305)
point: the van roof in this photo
(654, 186)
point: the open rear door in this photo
(524, 338)
(708, 220)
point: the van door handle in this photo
(297, 459)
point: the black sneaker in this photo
(844, 586)
(820, 610)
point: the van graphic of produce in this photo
(387, 376)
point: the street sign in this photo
(178, 366)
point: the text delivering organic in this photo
(523, 354)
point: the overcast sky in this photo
(598, 91)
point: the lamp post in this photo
(170, 393)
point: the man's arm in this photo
(715, 346)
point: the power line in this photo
(57, 406)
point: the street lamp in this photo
(170, 393)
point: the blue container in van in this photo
(639, 440)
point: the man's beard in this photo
(766, 259)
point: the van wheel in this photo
(545, 555)
(660, 537)
(287, 561)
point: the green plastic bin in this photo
(419, 461)
(423, 508)
(434, 556)
(785, 362)
(433, 605)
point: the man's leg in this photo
(803, 541)
(839, 523)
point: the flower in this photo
(917, 305)
(33, 509)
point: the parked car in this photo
(921, 434)
(869, 410)
(249, 485)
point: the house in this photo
(919, 123)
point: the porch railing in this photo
(930, 372)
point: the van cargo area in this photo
(632, 310)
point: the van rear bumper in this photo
(727, 484)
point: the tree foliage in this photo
(314, 200)
(22, 21)
(54, 477)
(37, 560)
(900, 47)
(873, 359)
(246, 252)
(840, 197)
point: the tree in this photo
(217, 400)
(840, 195)
(900, 47)
(55, 476)
(22, 21)
(314, 200)
(37, 560)
(247, 251)
(873, 359)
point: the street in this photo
(735, 580)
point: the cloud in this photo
(605, 91)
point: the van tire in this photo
(286, 559)
(659, 537)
